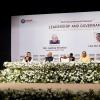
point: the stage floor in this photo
(54, 86)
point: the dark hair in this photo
(98, 33)
(28, 52)
(71, 54)
(29, 58)
(84, 51)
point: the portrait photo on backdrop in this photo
(54, 39)
(98, 37)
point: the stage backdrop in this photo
(60, 33)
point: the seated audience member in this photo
(64, 58)
(49, 57)
(85, 57)
(28, 58)
(71, 58)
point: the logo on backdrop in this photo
(26, 20)
(22, 20)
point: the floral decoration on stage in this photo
(50, 72)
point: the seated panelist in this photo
(28, 58)
(71, 57)
(64, 58)
(84, 57)
(49, 57)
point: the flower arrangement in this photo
(50, 72)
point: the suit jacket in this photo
(57, 42)
(49, 59)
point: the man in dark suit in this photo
(49, 57)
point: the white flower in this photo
(89, 71)
(69, 72)
(96, 82)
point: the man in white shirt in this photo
(64, 58)
(28, 58)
